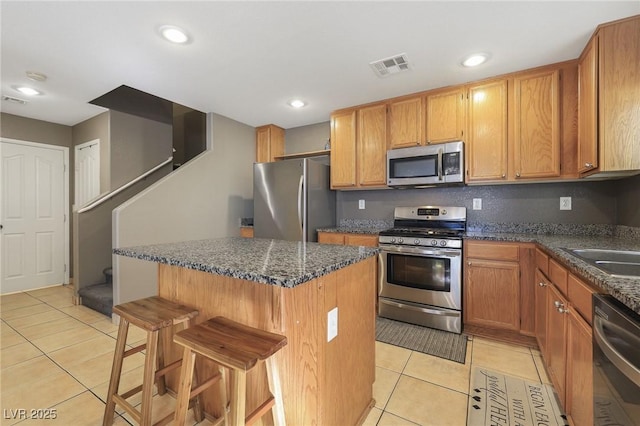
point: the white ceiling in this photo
(247, 59)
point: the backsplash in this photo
(588, 230)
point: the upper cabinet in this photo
(445, 115)
(269, 143)
(609, 81)
(487, 135)
(536, 125)
(406, 122)
(359, 147)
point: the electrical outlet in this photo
(332, 324)
(565, 203)
(477, 203)
(361, 204)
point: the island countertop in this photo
(276, 262)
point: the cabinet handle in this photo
(517, 174)
(469, 263)
(541, 284)
(588, 165)
(504, 176)
(563, 310)
(558, 304)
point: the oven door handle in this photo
(410, 251)
(440, 152)
(617, 359)
(380, 273)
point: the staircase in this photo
(99, 297)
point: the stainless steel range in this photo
(421, 267)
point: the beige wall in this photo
(205, 198)
(307, 138)
(30, 130)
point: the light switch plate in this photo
(332, 324)
(361, 204)
(477, 203)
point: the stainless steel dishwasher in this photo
(616, 363)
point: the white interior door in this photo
(33, 217)
(87, 172)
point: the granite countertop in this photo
(275, 262)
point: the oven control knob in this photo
(416, 242)
(393, 240)
(443, 243)
(443, 212)
(434, 243)
(400, 240)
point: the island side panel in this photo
(254, 304)
(350, 356)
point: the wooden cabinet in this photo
(536, 123)
(343, 149)
(269, 143)
(406, 122)
(540, 301)
(246, 232)
(556, 350)
(609, 124)
(487, 134)
(492, 285)
(445, 115)
(359, 147)
(367, 240)
(372, 146)
(579, 382)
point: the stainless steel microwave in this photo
(424, 166)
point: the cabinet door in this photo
(361, 240)
(557, 340)
(619, 91)
(541, 284)
(444, 115)
(579, 403)
(487, 135)
(372, 145)
(492, 294)
(343, 149)
(405, 122)
(588, 108)
(536, 121)
(263, 148)
(330, 238)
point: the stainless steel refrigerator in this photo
(292, 199)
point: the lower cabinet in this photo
(348, 239)
(556, 350)
(246, 232)
(579, 391)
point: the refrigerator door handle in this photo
(300, 202)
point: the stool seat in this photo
(155, 315)
(238, 348)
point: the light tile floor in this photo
(54, 355)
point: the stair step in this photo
(98, 297)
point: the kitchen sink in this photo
(618, 263)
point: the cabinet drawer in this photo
(361, 240)
(579, 295)
(330, 238)
(496, 251)
(542, 261)
(558, 275)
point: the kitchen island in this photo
(287, 288)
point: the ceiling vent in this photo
(14, 100)
(391, 65)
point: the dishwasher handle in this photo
(632, 372)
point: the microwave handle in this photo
(440, 164)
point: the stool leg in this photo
(161, 382)
(238, 396)
(184, 387)
(116, 371)
(276, 390)
(224, 374)
(149, 375)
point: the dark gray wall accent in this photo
(593, 202)
(629, 201)
(137, 145)
(307, 138)
(96, 128)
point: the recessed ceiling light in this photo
(475, 59)
(29, 91)
(297, 103)
(174, 34)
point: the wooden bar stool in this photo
(154, 315)
(237, 348)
